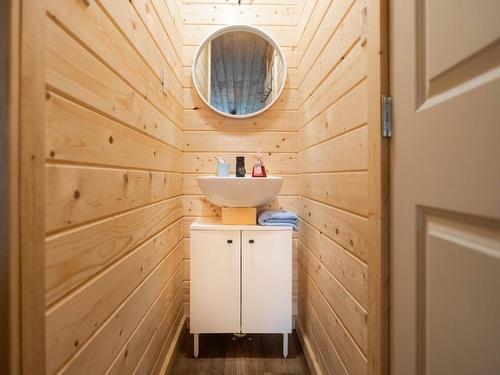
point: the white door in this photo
(445, 173)
(266, 305)
(215, 281)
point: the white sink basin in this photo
(240, 191)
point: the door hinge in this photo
(386, 116)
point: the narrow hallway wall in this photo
(333, 201)
(113, 185)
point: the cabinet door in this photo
(266, 281)
(215, 281)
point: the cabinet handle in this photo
(251, 241)
(229, 241)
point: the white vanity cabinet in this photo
(240, 279)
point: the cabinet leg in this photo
(285, 345)
(196, 344)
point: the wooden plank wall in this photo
(113, 192)
(207, 134)
(333, 186)
(122, 159)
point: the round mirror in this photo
(239, 71)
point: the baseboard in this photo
(174, 347)
(306, 348)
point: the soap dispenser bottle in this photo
(258, 168)
(240, 166)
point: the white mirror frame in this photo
(251, 29)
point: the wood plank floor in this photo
(249, 355)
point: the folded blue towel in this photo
(278, 218)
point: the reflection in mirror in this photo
(239, 73)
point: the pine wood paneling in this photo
(331, 30)
(205, 162)
(205, 119)
(348, 152)
(347, 229)
(334, 187)
(197, 205)
(349, 72)
(113, 149)
(285, 36)
(75, 256)
(349, 270)
(377, 27)
(157, 323)
(131, 24)
(349, 311)
(255, 14)
(347, 113)
(97, 31)
(74, 71)
(99, 353)
(170, 14)
(327, 356)
(347, 191)
(168, 347)
(85, 310)
(307, 337)
(339, 345)
(78, 194)
(148, 12)
(186, 222)
(78, 135)
(268, 2)
(240, 141)
(305, 10)
(26, 51)
(11, 327)
(163, 336)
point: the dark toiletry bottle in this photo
(240, 166)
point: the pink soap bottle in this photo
(258, 168)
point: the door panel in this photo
(457, 55)
(459, 271)
(215, 282)
(469, 28)
(266, 281)
(445, 184)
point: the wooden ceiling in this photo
(238, 72)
